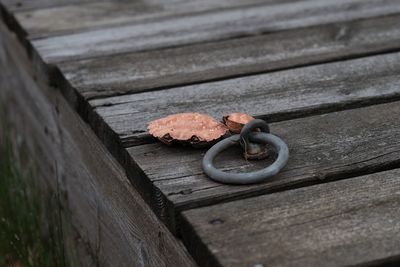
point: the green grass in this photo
(30, 229)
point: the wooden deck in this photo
(325, 74)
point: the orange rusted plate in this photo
(236, 121)
(195, 129)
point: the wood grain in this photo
(114, 225)
(23, 5)
(208, 26)
(322, 148)
(95, 15)
(275, 96)
(136, 72)
(345, 223)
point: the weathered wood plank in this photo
(114, 224)
(345, 223)
(278, 95)
(325, 147)
(80, 17)
(136, 72)
(21, 5)
(208, 26)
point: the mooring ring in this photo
(251, 177)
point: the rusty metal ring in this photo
(252, 177)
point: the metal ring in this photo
(246, 178)
(251, 148)
(251, 126)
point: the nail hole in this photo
(186, 191)
(216, 221)
(182, 192)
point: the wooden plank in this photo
(114, 224)
(323, 148)
(22, 5)
(136, 72)
(346, 223)
(275, 96)
(208, 26)
(80, 17)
